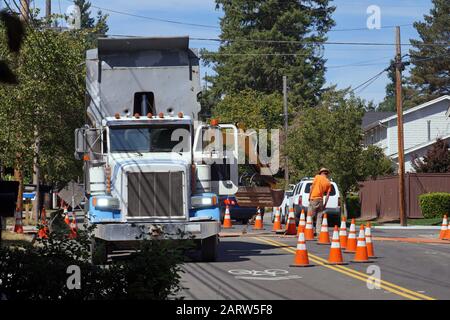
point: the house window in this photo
(429, 129)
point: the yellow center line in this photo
(404, 292)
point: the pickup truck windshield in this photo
(154, 138)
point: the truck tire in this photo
(210, 248)
(99, 252)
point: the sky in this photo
(346, 65)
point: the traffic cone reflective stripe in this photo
(227, 219)
(66, 216)
(361, 248)
(335, 256)
(444, 228)
(18, 226)
(369, 243)
(351, 240)
(277, 221)
(258, 221)
(302, 222)
(291, 228)
(324, 236)
(343, 233)
(301, 258)
(309, 231)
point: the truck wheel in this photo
(99, 252)
(210, 248)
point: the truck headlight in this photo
(203, 201)
(106, 203)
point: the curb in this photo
(407, 228)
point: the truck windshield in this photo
(154, 138)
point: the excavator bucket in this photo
(259, 197)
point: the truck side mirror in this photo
(88, 141)
(80, 143)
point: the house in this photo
(422, 125)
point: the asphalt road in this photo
(258, 267)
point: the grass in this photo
(410, 222)
(12, 239)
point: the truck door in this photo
(217, 146)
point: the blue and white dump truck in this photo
(149, 172)
(152, 170)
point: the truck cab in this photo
(152, 170)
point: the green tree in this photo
(431, 54)
(437, 159)
(88, 22)
(49, 99)
(248, 58)
(374, 163)
(329, 135)
(253, 109)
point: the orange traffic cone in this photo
(227, 219)
(301, 254)
(309, 231)
(369, 243)
(277, 220)
(335, 256)
(73, 227)
(18, 226)
(291, 228)
(258, 221)
(351, 240)
(302, 222)
(447, 234)
(324, 236)
(43, 231)
(343, 232)
(361, 255)
(444, 228)
(66, 216)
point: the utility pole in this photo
(24, 9)
(285, 104)
(401, 156)
(48, 11)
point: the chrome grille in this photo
(155, 194)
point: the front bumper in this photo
(141, 230)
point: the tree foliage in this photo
(87, 21)
(40, 272)
(436, 160)
(330, 135)
(375, 163)
(49, 99)
(430, 74)
(248, 58)
(253, 109)
(13, 32)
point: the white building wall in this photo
(415, 126)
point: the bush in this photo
(353, 207)
(434, 205)
(40, 272)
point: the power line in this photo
(371, 80)
(318, 42)
(153, 18)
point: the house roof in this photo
(393, 115)
(419, 146)
(420, 106)
(371, 117)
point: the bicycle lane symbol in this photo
(268, 274)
